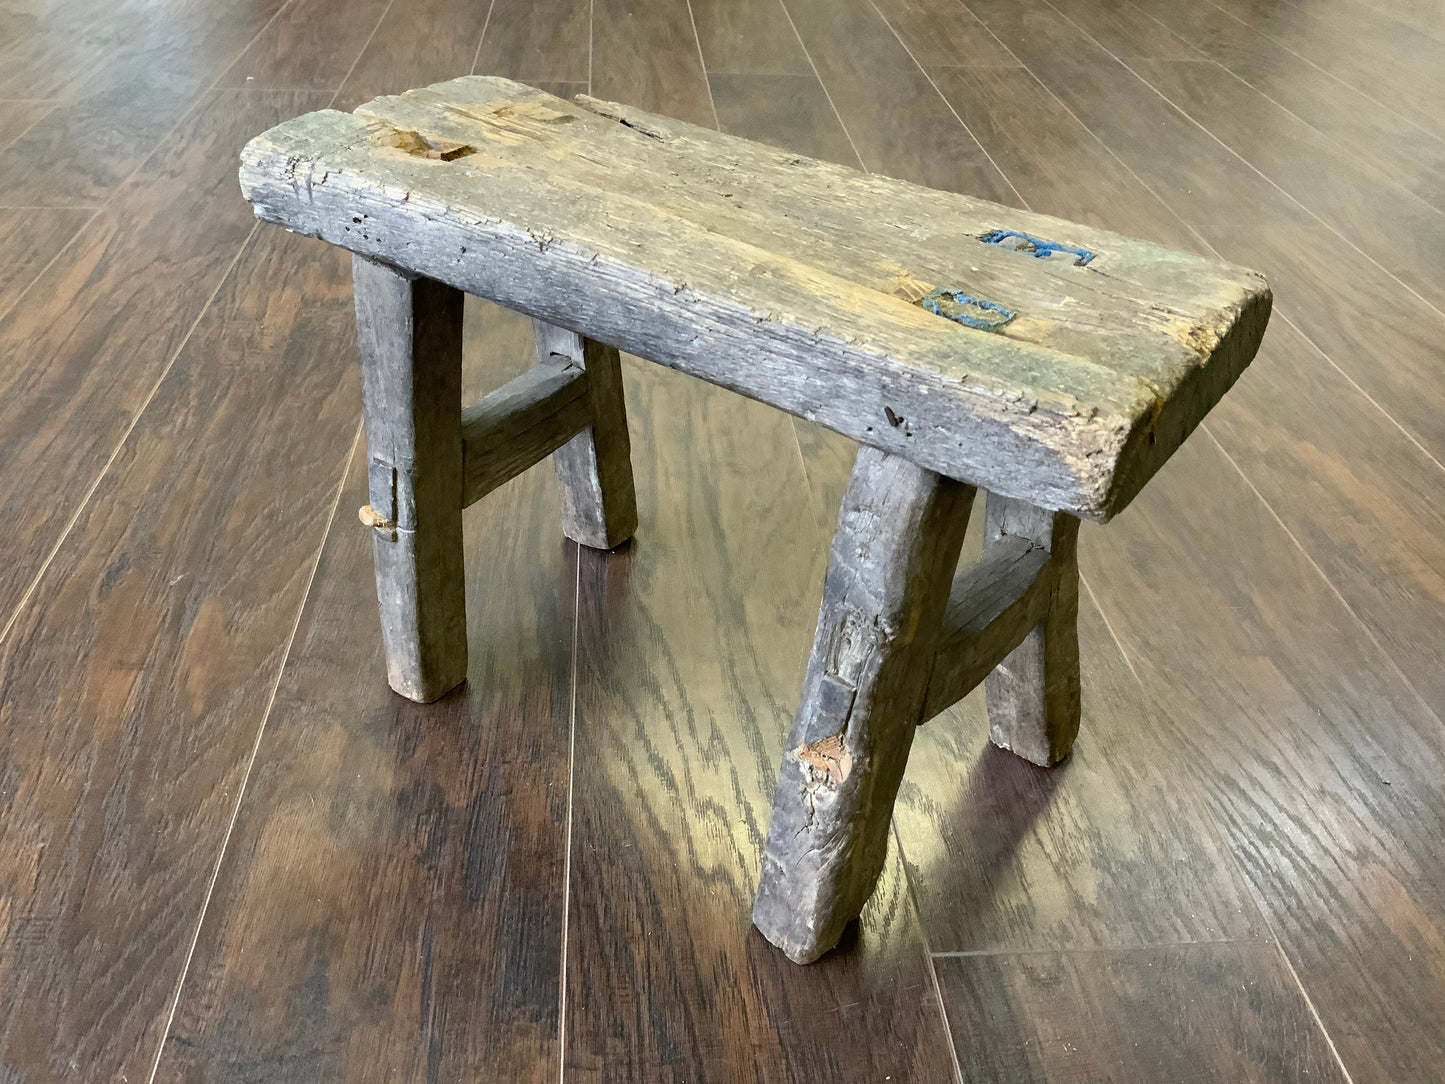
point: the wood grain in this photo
(30, 238)
(391, 904)
(690, 657)
(748, 37)
(81, 356)
(310, 45)
(791, 112)
(138, 674)
(892, 113)
(535, 42)
(646, 51)
(415, 43)
(1208, 1013)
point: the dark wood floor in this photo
(228, 853)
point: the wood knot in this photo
(828, 756)
(372, 518)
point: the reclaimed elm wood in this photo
(900, 531)
(521, 423)
(409, 331)
(594, 469)
(1033, 695)
(993, 605)
(1073, 410)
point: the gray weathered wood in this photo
(409, 331)
(994, 604)
(594, 468)
(898, 540)
(1033, 694)
(521, 423)
(788, 280)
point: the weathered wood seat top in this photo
(1022, 353)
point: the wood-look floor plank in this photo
(645, 53)
(1412, 156)
(17, 115)
(1115, 847)
(1350, 486)
(82, 150)
(391, 903)
(748, 37)
(1319, 464)
(892, 113)
(138, 674)
(1124, 30)
(417, 43)
(135, 91)
(1319, 762)
(1357, 195)
(1211, 1014)
(691, 654)
(99, 326)
(944, 32)
(1387, 59)
(30, 238)
(1385, 339)
(310, 45)
(787, 111)
(528, 41)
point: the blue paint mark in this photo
(975, 312)
(1036, 247)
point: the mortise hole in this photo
(975, 312)
(443, 150)
(1037, 247)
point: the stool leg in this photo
(599, 505)
(409, 331)
(893, 557)
(1033, 695)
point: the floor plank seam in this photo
(702, 63)
(482, 37)
(1178, 218)
(1325, 71)
(1369, 633)
(1082, 950)
(120, 444)
(949, 105)
(1210, 248)
(826, 92)
(255, 749)
(1265, 176)
(1298, 982)
(928, 954)
(362, 52)
(1211, 824)
(571, 779)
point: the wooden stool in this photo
(961, 343)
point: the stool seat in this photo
(1030, 356)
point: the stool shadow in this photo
(981, 829)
